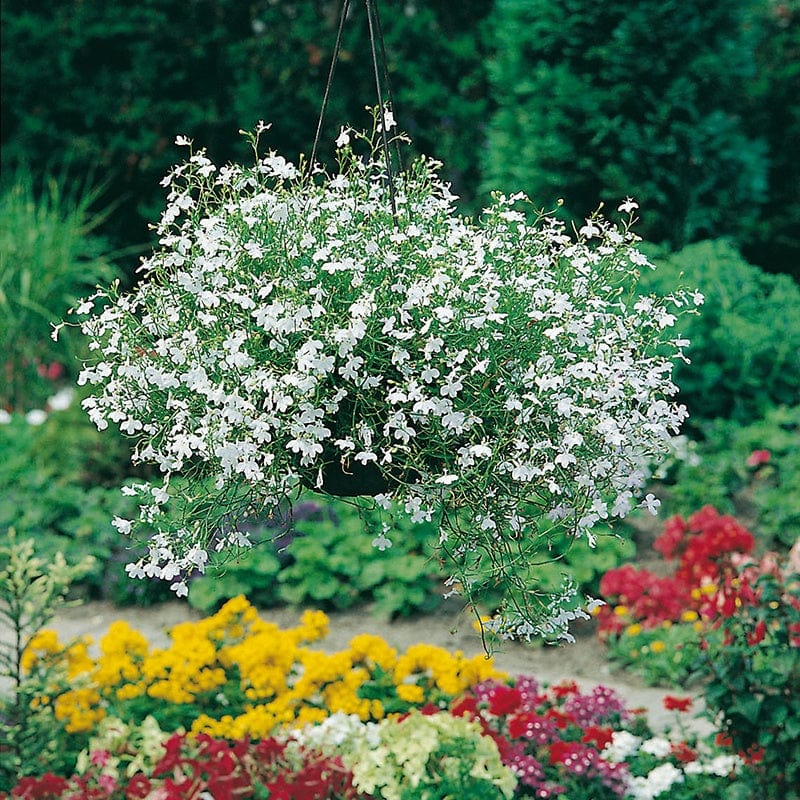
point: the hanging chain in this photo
(375, 33)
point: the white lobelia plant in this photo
(496, 376)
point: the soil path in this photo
(584, 661)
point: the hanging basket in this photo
(295, 326)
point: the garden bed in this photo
(584, 661)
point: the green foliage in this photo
(252, 573)
(31, 590)
(48, 260)
(745, 343)
(324, 559)
(60, 484)
(753, 688)
(599, 101)
(774, 114)
(663, 656)
(766, 494)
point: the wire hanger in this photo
(379, 65)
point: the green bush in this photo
(774, 115)
(752, 690)
(49, 259)
(59, 482)
(596, 101)
(764, 492)
(32, 589)
(745, 343)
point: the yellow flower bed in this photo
(237, 675)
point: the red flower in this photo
(561, 719)
(683, 752)
(668, 544)
(561, 751)
(138, 788)
(677, 703)
(754, 754)
(504, 700)
(723, 740)
(597, 735)
(44, 788)
(565, 688)
(466, 706)
(757, 636)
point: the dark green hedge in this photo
(110, 85)
(690, 106)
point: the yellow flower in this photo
(42, 644)
(80, 708)
(373, 651)
(78, 659)
(633, 630)
(130, 690)
(621, 611)
(689, 616)
(410, 693)
(657, 646)
(313, 626)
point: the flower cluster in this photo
(753, 674)
(660, 623)
(233, 674)
(433, 753)
(200, 766)
(552, 740)
(494, 376)
(706, 547)
(498, 740)
(363, 723)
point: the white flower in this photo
(381, 542)
(61, 400)
(658, 746)
(343, 139)
(36, 417)
(122, 525)
(183, 141)
(388, 121)
(658, 781)
(651, 503)
(623, 745)
(628, 206)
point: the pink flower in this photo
(758, 457)
(100, 757)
